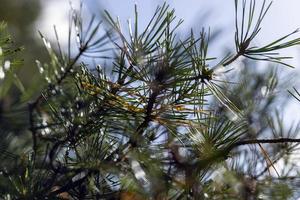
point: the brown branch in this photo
(265, 141)
(267, 168)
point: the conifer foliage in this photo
(156, 119)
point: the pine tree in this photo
(156, 119)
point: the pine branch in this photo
(258, 141)
(148, 113)
(133, 123)
(266, 141)
(234, 58)
(33, 105)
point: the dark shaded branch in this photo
(32, 105)
(194, 78)
(148, 113)
(226, 151)
(232, 59)
(266, 141)
(70, 185)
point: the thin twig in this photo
(267, 141)
(32, 105)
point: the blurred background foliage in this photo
(20, 17)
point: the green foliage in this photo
(156, 119)
(8, 63)
(9, 82)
